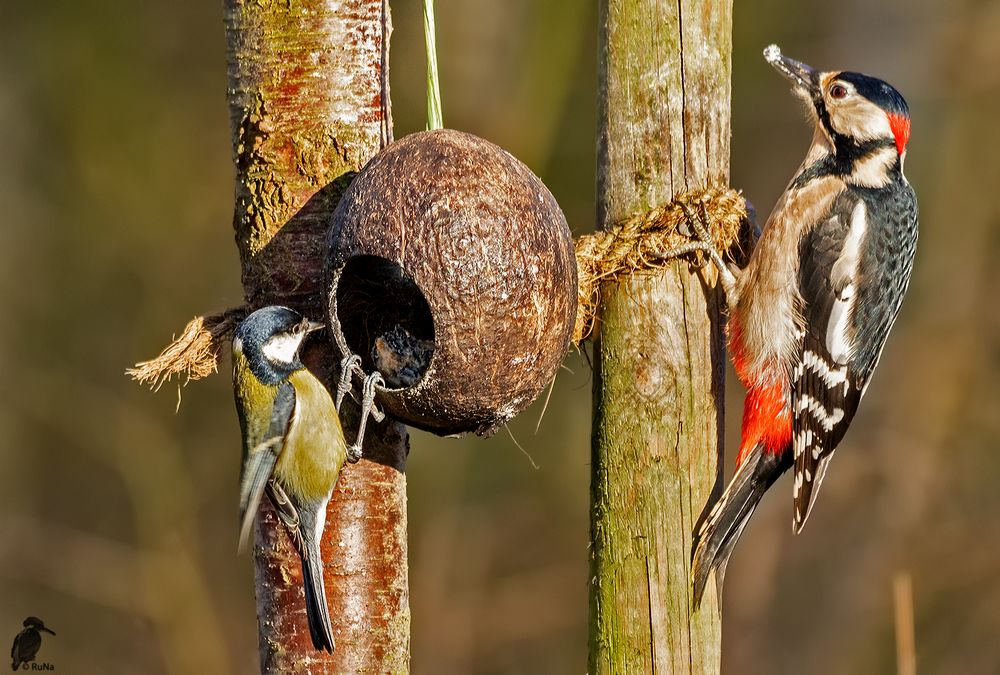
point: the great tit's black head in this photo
(270, 339)
(849, 107)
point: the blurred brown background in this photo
(119, 515)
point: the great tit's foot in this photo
(368, 392)
(285, 508)
(283, 505)
(348, 366)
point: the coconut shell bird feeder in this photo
(451, 271)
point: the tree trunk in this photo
(660, 355)
(308, 105)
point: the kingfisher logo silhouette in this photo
(26, 645)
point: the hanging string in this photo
(434, 120)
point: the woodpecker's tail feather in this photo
(721, 528)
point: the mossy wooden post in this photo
(308, 104)
(660, 358)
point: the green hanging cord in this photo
(433, 91)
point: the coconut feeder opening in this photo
(387, 320)
(451, 271)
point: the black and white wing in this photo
(854, 268)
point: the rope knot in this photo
(637, 244)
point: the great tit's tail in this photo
(312, 520)
(719, 531)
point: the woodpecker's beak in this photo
(802, 77)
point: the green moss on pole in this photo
(660, 358)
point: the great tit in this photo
(293, 445)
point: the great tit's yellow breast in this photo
(315, 449)
(254, 402)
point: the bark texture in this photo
(308, 105)
(660, 356)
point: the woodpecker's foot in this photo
(367, 408)
(348, 366)
(705, 244)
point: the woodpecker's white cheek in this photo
(282, 347)
(862, 120)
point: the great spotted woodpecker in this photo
(810, 312)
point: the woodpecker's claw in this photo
(704, 243)
(348, 366)
(367, 408)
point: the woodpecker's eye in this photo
(838, 91)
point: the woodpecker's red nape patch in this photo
(767, 418)
(900, 125)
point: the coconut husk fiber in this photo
(193, 354)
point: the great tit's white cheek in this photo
(237, 346)
(282, 347)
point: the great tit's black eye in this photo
(838, 91)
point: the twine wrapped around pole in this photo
(637, 244)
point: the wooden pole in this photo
(660, 355)
(308, 104)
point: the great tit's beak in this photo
(802, 77)
(312, 326)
